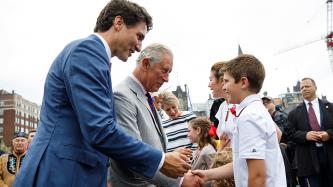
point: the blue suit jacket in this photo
(78, 129)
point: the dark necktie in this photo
(313, 119)
(152, 107)
(151, 104)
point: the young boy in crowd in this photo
(257, 159)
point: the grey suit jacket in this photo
(135, 117)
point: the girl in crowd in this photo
(199, 134)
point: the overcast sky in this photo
(200, 33)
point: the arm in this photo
(278, 133)
(88, 84)
(2, 181)
(221, 172)
(327, 135)
(298, 134)
(128, 115)
(257, 173)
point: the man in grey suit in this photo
(138, 117)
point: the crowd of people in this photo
(93, 133)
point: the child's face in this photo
(172, 110)
(193, 134)
(157, 103)
(232, 89)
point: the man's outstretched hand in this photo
(175, 165)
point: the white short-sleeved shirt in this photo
(226, 120)
(255, 137)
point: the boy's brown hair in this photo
(246, 66)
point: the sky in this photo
(199, 33)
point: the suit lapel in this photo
(143, 99)
(304, 113)
(322, 114)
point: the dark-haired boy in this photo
(257, 159)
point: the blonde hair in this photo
(168, 98)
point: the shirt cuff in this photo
(181, 181)
(162, 162)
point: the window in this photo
(1, 120)
(2, 103)
(1, 129)
(1, 111)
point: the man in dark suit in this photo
(78, 129)
(139, 117)
(311, 128)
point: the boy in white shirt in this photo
(257, 159)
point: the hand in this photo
(184, 151)
(324, 136)
(175, 165)
(201, 174)
(191, 180)
(224, 141)
(284, 145)
(313, 136)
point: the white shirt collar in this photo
(249, 99)
(139, 83)
(314, 102)
(106, 46)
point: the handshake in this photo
(176, 164)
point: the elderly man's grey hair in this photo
(155, 52)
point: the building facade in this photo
(16, 114)
(182, 97)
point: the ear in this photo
(145, 64)
(118, 23)
(221, 80)
(198, 130)
(245, 82)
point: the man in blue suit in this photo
(78, 129)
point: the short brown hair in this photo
(131, 13)
(246, 66)
(215, 69)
